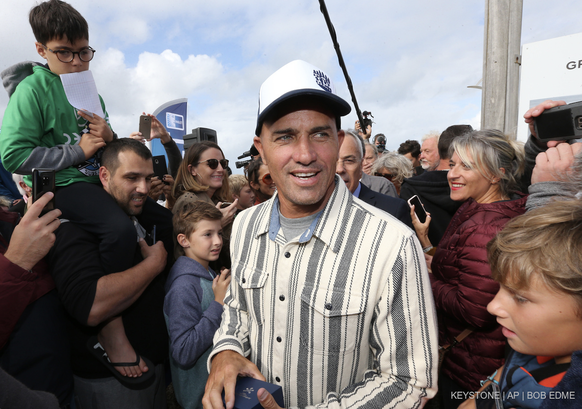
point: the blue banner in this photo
(173, 115)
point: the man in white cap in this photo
(330, 297)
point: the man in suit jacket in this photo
(349, 168)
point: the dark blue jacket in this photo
(392, 205)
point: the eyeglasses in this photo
(213, 163)
(348, 162)
(384, 175)
(66, 56)
(267, 179)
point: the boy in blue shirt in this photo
(537, 259)
(194, 298)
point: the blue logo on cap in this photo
(322, 80)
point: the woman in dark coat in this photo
(484, 169)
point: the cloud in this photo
(410, 62)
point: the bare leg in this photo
(114, 341)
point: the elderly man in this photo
(349, 167)
(330, 297)
(429, 153)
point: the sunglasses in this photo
(213, 163)
(384, 175)
(267, 179)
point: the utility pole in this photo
(501, 60)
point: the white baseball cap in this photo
(298, 78)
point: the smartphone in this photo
(225, 204)
(145, 126)
(160, 168)
(43, 180)
(418, 208)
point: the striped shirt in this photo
(342, 316)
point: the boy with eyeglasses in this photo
(41, 129)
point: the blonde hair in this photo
(185, 182)
(237, 182)
(489, 151)
(546, 242)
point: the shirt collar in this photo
(327, 227)
(358, 189)
(275, 224)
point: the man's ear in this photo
(104, 176)
(340, 138)
(40, 49)
(234, 197)
(183, 240)
(259, 146)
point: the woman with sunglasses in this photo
(203, 176)
(260, 181)
(394, 167)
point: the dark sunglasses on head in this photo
(213, 163)
(267, 179)
(384, 175)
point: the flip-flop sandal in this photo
(140, 382)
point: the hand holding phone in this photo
(145, 126)
(418, 208)
(43, 180)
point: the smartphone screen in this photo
(418, 208)
(43, 180)
(145, 126)
(160, 168)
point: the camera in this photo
(367, 121)
(243, 163)
(560, 123)
(252, 152)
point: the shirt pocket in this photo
(332, 322)
(252, 282)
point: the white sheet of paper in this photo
(81, 91)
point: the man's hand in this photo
(267, 400)
(156, 189)
(226, 366)
(167, 190)
(158, 131)
(155, 254)
(556, 163)
(368, 133)
(98, 126)
(536, 111)
(34, 236)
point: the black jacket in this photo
(396, 207)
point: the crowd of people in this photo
(445, 274)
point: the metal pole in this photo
(500, 65)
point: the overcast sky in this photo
(410, 62)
